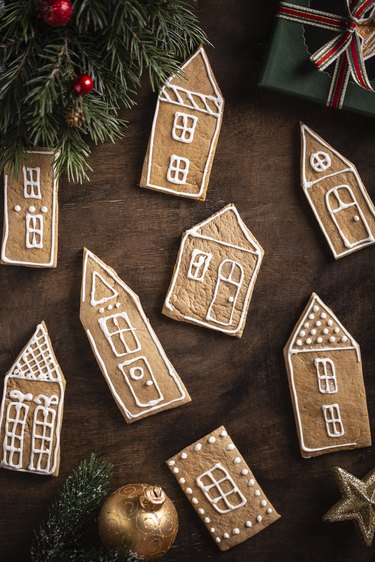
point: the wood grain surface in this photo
(239, 383)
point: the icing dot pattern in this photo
(321, 329)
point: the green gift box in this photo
(288, 68)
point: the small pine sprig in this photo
(116, 42)
(60, 538)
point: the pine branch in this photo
(115, 42)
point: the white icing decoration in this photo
(319, 339)
(182, 97)
(248, 524)
(149, 383)
(344, 339)
(227, 280)
(299, 342)
(306, 325)
(31, 181)
(198, 447)
(332, 339)
(176, 470)
(110, 307)
(313, 332)
(311, 316)
(356, 218)
(212, 529)
(171, 463)
(251, 482)
(259, 518)
(200, 510)
(36, 363)
(257, 493)
(315, 308)
(226, 535)
(263, 503)
(269, 510)
(325, 331)
(138, 307)
(211, 439)
(34, 231)
(332, 418)
(320, 161)
(195, 233)
(44, 209)
(195, 500)
(336, 330)
(230, 447)
(293, 350)
(222, 501)
(17, 208)
(330, 322)
(101, 310)
(118, 304)
(32, 209)
(237, 460)
(244, 472)
(96, 280)
(302, 333)
(135, 372)
(223, 433)
(309, 341)
(184, 127)
(178, 169)
(189, 491)
(318, 323)
(218, 539)
(236, 531)
(182, 480)
(335, 205)
(120, 334)
(183, 455)
(326, 373)
(207, 520)
(199, 263)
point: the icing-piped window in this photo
(34, 231)
(43, 433)
(184, 127)
(320, 161)
(198, 265)
(326, 373)
(332, 418)
(31, 183)
(178, 169)
(14, 433)
(220, 489)
(120, 334)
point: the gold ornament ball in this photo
(138, 518)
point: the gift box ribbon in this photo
(345, 50)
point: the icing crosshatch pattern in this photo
(337, 195)
(185, 131)
(222, 489)
(140, 377)
(31, 212)
(326, 383)
(33, 398)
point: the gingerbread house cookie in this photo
(185, 131)
(140, 376)
(215, 273)
(31, 212)
(326, 383)
(222, 489)
(32, 409)
(337, 196)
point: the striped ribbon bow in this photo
(345, 49)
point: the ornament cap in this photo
(152, 498)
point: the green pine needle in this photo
(61, 537)
(115, 42)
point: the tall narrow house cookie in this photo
(222, 489)
(140, 376)
(185, 131)
(215, 273)
(326, 383)
(337, 195)
(31, 212)
(32, 409)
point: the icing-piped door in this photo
(228, 284)
(347, 216)
(141, 382)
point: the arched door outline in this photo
(341, 207)
(230, 282)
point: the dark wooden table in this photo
(239, 383)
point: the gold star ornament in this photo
(357, 503)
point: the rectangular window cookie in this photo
(31, 212)
(222, 489)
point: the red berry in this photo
(83, 84)
(56, 13)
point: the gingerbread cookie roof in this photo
(227, 227)
(319, 329)
(37, 360)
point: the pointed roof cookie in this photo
(32, 409)
(337, 195)
(324, 367)
(140, 376)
